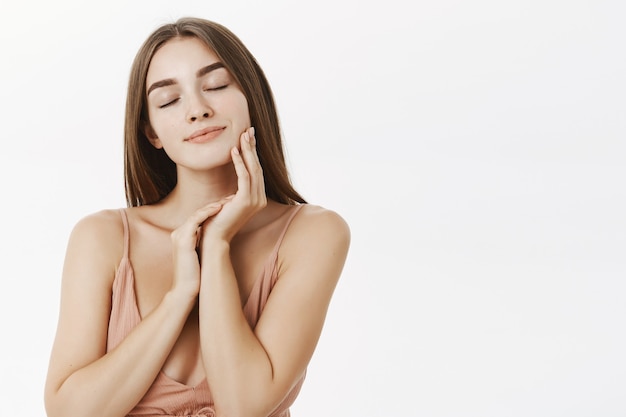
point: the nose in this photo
(193, 118)
(198, 109)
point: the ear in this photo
(151, 135)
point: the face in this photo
(197, 111)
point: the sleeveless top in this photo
(166, 396)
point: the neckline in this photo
(173, 381)
(138, 318)
(258, 280)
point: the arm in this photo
(251, 371)
(83, 379)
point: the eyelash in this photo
(217, 88)
(207, 89)
(167, 104)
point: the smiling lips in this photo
(205, 135)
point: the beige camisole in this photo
(166, 396)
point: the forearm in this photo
(238, 368)
(114, 384)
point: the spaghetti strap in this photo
(287, 223)
(284, 231)
(126, 232)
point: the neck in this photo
(197, 189)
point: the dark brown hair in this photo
(149, 173)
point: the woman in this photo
(207, 295)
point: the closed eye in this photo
(221, 87)
(168, 103)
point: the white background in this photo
(477, 150)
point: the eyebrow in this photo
(171, 81)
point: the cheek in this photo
(162, 125)
(241, 107)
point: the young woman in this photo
(207, 295)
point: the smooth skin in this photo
(195, 257)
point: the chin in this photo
(212, 162)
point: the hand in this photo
(184, 244)
(250, 197)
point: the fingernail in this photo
(252, 130)
(236, 151)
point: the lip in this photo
(206, 134)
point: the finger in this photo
(249, 159)
(224, 200)
(247, 149)
(258, 170)
(200, 216)
(186, 235)
(253, 165)
(243, 178)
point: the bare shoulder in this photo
(103, 224)
(100, 235)
(316, 229)
(316, 220)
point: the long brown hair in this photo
(149, 173)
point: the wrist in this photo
(179, 297)
(215, 245)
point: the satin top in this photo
(166, 396)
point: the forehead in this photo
(179, 57)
